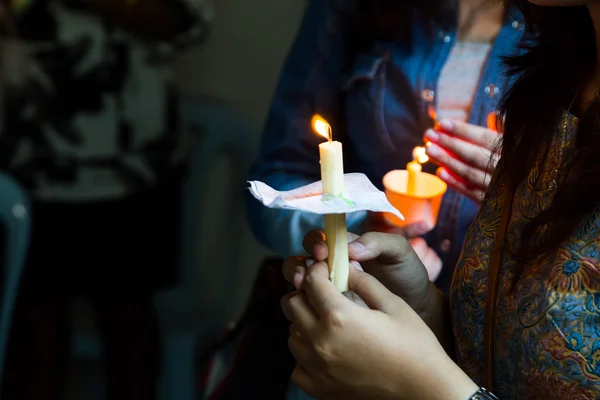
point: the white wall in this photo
(241, 61)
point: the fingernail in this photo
(446, 125)
(443, 174)
(356, 265)
(297, 280)
(432, 135)
(309, 262)
(432, 150)
(357, 247)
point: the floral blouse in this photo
(547, 329)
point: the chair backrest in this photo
(14, 216)
(214, 222)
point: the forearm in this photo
(282, 231)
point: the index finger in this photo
(478, 135)
(471, 154)
(321, 292)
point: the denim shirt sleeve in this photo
(289, 155)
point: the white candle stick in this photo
(332, 177)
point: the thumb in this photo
(372, 292)
(388, 249)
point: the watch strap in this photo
(483, 394)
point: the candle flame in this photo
(433, 115)
(420, 155)
(321, 127)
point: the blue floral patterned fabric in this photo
(547, 328)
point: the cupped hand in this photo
(386, 351)
(430, 259)
(389, 258)
(467, 154)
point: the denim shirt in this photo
(377, 106)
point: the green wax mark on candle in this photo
(327, 197)
(348, 201)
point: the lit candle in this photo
(332, 177)
(414, 170)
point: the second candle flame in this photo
(321, 127)
(420, 155)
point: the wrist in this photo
(437, 377)
(463, 387)
(453, 384)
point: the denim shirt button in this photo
(19, 210)
(491, 90)
(515, 24)
(444, 36)
(445, 246)
(427, 95)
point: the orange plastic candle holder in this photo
(421, 206)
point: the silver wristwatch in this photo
(483, 394)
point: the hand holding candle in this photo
(332, 177)
(334, 196)
(466, 153)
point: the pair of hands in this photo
(466, 154)
(385, 350)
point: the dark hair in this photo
(559, 59)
